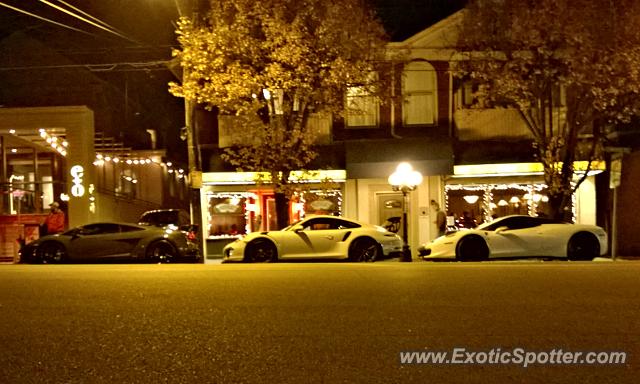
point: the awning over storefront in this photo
(379, 158)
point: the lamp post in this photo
(405, 180)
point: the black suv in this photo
(163, 217)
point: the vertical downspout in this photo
(450, 102)
(3, 177)
(393, 103)
(36, 182)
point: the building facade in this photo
(476, 162)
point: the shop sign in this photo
(615, 172)
(77, 173)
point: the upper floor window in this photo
(419, 94)
(362, 107)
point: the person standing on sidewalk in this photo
(54, 223)
(441, 219)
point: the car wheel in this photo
(472, 248)
(583, 246)
(52, 253)
(261, 251)
(364, 250)
(161, 251)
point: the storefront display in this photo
(473, 204)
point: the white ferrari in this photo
(316, 237)
(520, 236)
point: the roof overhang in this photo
(372, 159)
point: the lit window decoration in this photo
(471, 199)
(487, 204)
(334, 195)
(488, 189)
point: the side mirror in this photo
(499, 230)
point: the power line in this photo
(44, 19)
(107, 67)
(88, 15)
(110, 29)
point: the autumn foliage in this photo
(570, 67)
(272, 64)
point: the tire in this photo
(472, 248)
(161, 251)
(363, 250)
(583, 246)
(261, 251)
(53, 253)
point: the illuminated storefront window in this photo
(468, 205)
(232, 214)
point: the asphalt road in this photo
(313, 322)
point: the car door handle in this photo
(329, 237)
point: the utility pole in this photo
(193, 149)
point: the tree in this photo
(273, 65)
(568, 66)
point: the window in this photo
(99, 229)
(419, 94)
(127, 183)
(129, 228)
(362, 108)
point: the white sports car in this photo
(520, 236)
(317, 237)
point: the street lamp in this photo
(405, 180)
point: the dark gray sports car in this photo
(113, 242)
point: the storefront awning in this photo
(369, 159)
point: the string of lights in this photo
(101, 160)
